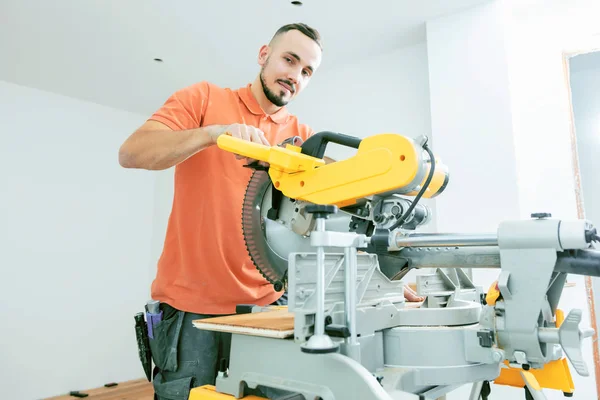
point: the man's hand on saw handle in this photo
(155, 146)
(240, 131)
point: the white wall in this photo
(585, 89)
(387, 93)
(541, 118)
(500, 107)
(75, 236)
(471, 119)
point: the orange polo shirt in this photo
(204, 267)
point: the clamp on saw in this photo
(341, 236)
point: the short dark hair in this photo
(305, 29)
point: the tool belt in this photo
(158, 340)
(154, 332)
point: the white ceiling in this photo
(103, 50)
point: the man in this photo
(204, 269)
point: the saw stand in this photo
(320, 342)
(355, 337)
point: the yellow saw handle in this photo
(385, 163)
(243, 147)
(287, 159)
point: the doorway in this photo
(583, 79)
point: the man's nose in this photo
(294, 76)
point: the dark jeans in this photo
(185, 356)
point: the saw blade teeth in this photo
(256, 182)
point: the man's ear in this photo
(263, 54)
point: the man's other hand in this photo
(411, 296)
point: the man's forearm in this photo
(158, 149)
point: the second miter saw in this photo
(341, 236)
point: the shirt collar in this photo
(251, 103)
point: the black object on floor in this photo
(77, 393)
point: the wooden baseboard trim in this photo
(139, 389)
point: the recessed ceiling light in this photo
(297, 3)
(158, 59)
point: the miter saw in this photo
(341, 236)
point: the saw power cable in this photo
(421, 192)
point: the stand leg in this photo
(476, 391)
(320, 343)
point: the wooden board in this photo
(277, 324)
(139, 389)
(272, 324)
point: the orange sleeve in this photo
(185, 108)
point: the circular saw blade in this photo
(270, 240)
(271, 265)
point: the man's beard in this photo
(271, 96)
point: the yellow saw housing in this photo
(384, 163)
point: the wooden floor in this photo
(139, 389)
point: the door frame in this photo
(589, 289)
